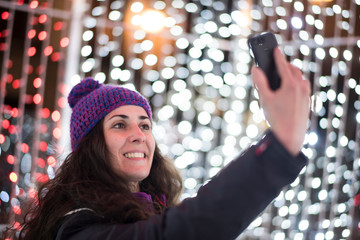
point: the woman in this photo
(116, 185)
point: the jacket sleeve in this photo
(222, 209)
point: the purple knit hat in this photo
(91, 101)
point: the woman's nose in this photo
(137, 134)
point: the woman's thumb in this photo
(260, 81)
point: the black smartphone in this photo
(262, 47)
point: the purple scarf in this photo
(147, 198)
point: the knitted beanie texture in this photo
(91, 101)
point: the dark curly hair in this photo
(87, 180)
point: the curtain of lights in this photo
(33, 43)
(191, 60)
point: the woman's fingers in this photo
(280, 62)
(290, 75)
(296, 72)
(282, 66)
(261, 83)
(304, 83)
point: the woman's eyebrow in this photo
(120, 116)
(142, 117)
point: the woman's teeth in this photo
(134, 155)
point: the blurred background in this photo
(192, 61)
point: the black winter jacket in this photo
(222, 209)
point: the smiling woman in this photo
(131, 145)
(115, 171)
(116, 184)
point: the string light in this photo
(152, 21)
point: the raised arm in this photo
(286, 109)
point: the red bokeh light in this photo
(5, 124)
(37, 82)
(2, 138)
(42, 18)
(31, 33)
(41, 162)
(64, 42)
(13, 177)
(41, 177)
(45, 112)
(43, 146)
(10, 159)
(17, 225)
(24, 148)
(42, 35)
(14, 112)
(58, 26)
(55, 56)
(5, 15)
(12, 129)
(3, 46)
(20, 2)
(17, 210)
(31, 51)
(16, 84)
(37, 98)
(34, 4)
(48, 50)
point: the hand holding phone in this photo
(286, 109)
(262, 47)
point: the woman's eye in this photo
(146, 127)
(119, 125)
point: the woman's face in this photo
(129, 139)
